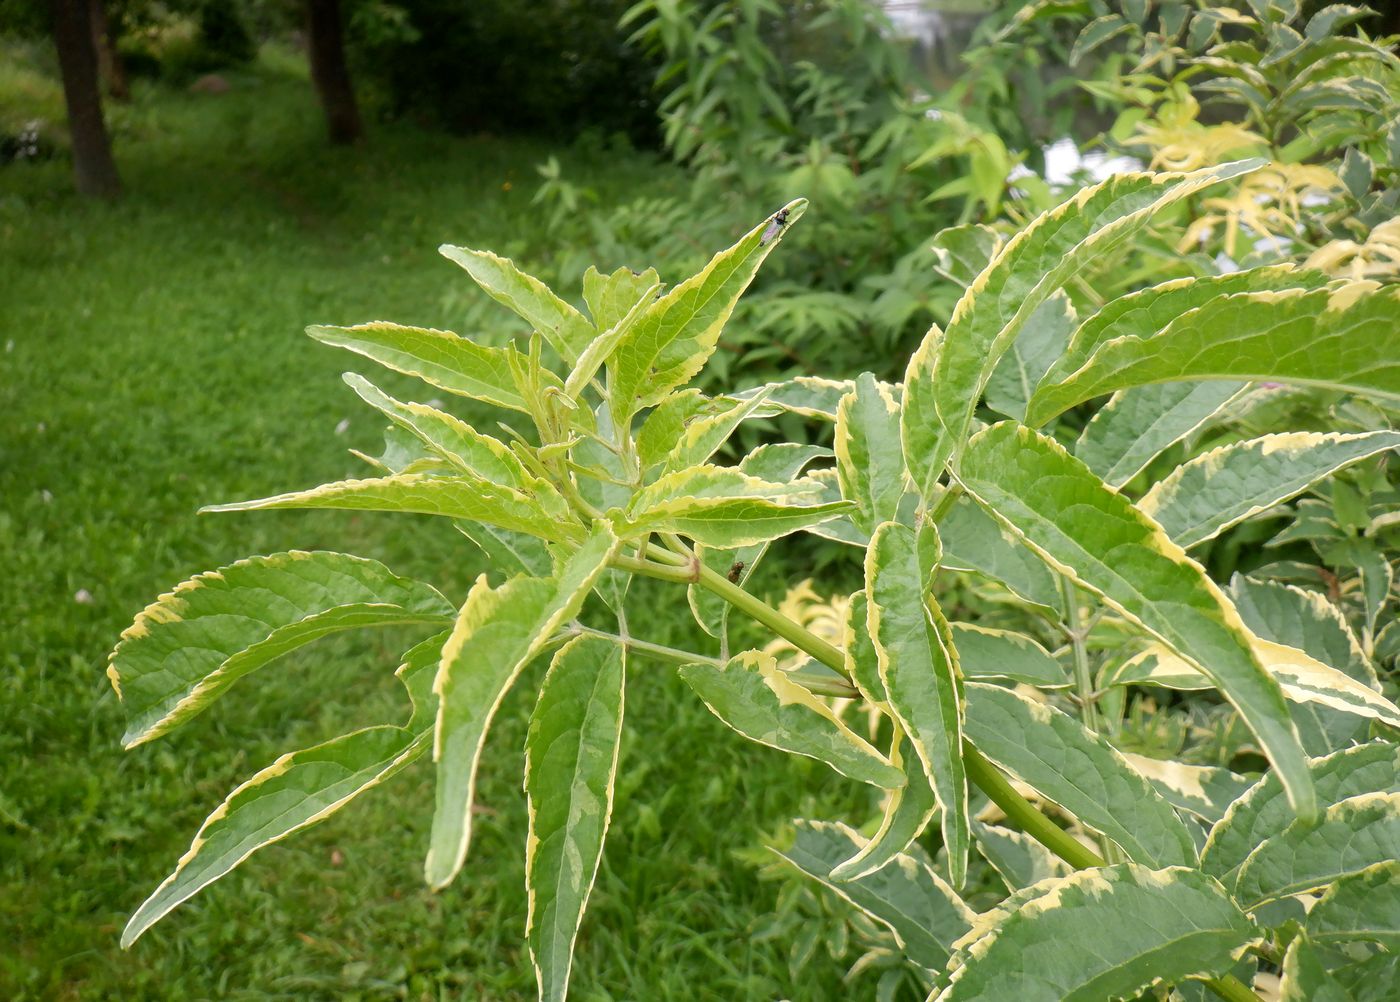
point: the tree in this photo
(94, 170)
(329, 72)
(110, 67)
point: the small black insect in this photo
(735, 571)
(775, 226)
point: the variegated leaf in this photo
(1350, 836)
(1094, 535)
(755, 697)
(570, 769)
(188, 646)
(498, 631)
(919, 669)
(906, 896)
(540, 513)
(869, 462)
(947, 374)
(1079, 771)
(298, 790)
(444, 359)
(1264, 810)
(677, 334)
(1344, 337)
(1202, 498)
(565, 328)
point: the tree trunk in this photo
(110, 67)
(94, 170)
(325, 42)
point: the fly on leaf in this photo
(775, 226)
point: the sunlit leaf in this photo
(947, 374)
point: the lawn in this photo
(152, 360)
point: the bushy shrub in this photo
(550, 68)
(1023, 751)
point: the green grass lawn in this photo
(152, 360)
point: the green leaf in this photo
(542, 513)
(1305, 979)
(1041, 341)
(1144, 313)
(861, 659)
(974, 541)
(298, 790)
(612, 297)
(1304, 620)
(1019, 859)
(755, 697)
(703, 436)
(1096, 33)
(908, 811)
(1078, 770)
(1375, 979)
(1003, 655)
(591, 359)
(1264, 810)
(1343, 338)
(1302, 679)
(1362, 906)
(724, 507)
(1350, 836)
(565, 328)
(1106, 933)
(919, 668)
(188, 646)
(869, 462)
(1223, 487)
(441, 358)
(570, 770)
(1094, 535)
(924, 913)
(506, 551)
(498, 631)
(807, 396)
(447, 436)
(666, 423)
(947, 374)
(1203, 790)
(1137, 425)
(678, 332)
(777, 462)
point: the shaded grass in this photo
(151, 361)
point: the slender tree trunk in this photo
(110, 67)
(94, 170)
(325, 40)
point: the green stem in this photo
(659, 651)
(648, 568)
(1083, 676)
(1016, 807)
(950, 495)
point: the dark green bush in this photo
(504, 67)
